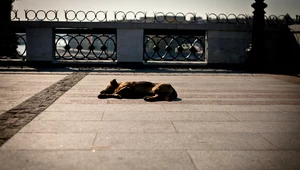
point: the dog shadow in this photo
(177, 100)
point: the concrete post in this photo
(130, 46)
(40, 45)
(227, 47)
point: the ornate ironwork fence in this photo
(183, 40)
(141, 16)
(103, 16)
(22, 45)
(230, 18)
(144, 17)
(280, 20)
(187, 46)
(41, 15)
(90, 16)
(85, 44)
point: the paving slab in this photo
(280, 116)
(71, 116)
(46, 126)
(219, 108)
(283, 140)
(220, 121)
(14, 119)
(236, 127)
(172, 116)
(244, 160)
(175, 141)
(16, 88)
(50, 141)
(95, 160)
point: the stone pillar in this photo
(226, 47)
(40, 45)
(256, 54)
(130, 46)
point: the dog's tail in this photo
(172, 96)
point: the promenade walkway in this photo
(222, 120)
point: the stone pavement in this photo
(221, 121)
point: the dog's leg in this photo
(124, 92)
(104, 96)
(154, 98)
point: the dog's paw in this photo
(118, 96)
(101, 96)
(148, 98)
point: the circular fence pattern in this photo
(130, 16)
(279, 20)
(140, 16)
(41, 15)
(22, 44)
(178, 48)
(71, 15)
(14, 15)
(230, 18)
(87, 46)
(171, 17)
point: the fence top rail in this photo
(143, 17)
(127, 25)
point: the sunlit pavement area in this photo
(222, 120)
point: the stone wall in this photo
(227, 47)
(224, 43)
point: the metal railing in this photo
(174, 46)
(90, 16)
(76, 44)
(22, 45)
(280, 20)
(230, 18)
(144, 17)
(104, 16)
(162, 42)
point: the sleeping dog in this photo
(142, 89)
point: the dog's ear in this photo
(114, 82)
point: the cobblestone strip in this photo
(16, 118)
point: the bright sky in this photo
(201, 7)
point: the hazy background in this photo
(276, 7)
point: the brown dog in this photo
(143, 89)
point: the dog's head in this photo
(111, 87)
